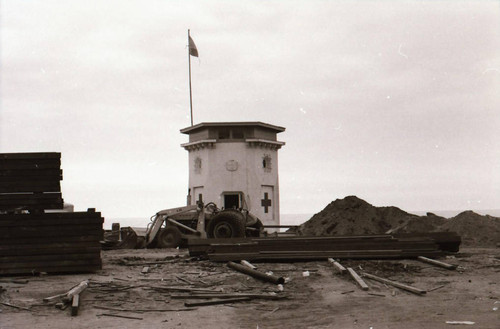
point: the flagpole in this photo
(190, 93)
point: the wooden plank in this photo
(362, 284)
(218, 302)
(437, 263)
(52, 263)
(395, 284)
(42, 242)
(337, 266)
(44, 257)
(29, 155)
(50, 222)
(52, 215)
(15, 197)
(75, 304)
(51, 251)
(88, 268)
(30, 174)
(49, 231)
(31, 186)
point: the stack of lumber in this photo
(309, 248)
(30, 181)
(33, 241)
(50, 242)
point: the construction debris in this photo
(395, 284)
(217, 302)
(339, 268)
(362, 284)
(246, 263)
(256, 274)
(120, 316)
(437, 263)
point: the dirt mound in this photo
(475, 229)
(420, 224)
(354, 216)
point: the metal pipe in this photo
(182, 225)
(256, 274)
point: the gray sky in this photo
(396, 102)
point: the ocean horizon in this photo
(291, 219)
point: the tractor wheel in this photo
(169, 237)
(226, 224)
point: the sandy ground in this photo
(323, 299)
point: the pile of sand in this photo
(354, 216)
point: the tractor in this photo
(170, 228)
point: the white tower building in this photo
(235, 165)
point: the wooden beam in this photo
(337, 266)
(256, 274)
(77, 290)
(75, 304)
(395, 284)
(437, 263)
(358, 279)
(217, 302)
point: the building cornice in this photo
(255, 142)
(206, 143)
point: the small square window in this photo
(238, 134)
(224, 133)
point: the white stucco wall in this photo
(250, 177)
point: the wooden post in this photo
(358, 280)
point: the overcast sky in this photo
(397, 102)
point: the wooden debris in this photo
(246, 263)
(460, 322)
(183, 279)
(53, 298)
(116, 309)
(347, 292)
(221, 295)
(17, 281)
(217, 302)
(145, 270)
(76, 290)
(338, 267)
(185, 289)
(14, 306)
(375, 294)
(62, 305)
(358, 279)
(120, 316)
(256, 274)
(395, 284)
(437, 263)
(75, 304)
(436, 288)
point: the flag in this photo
(193, 51)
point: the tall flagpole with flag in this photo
(193, 51)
